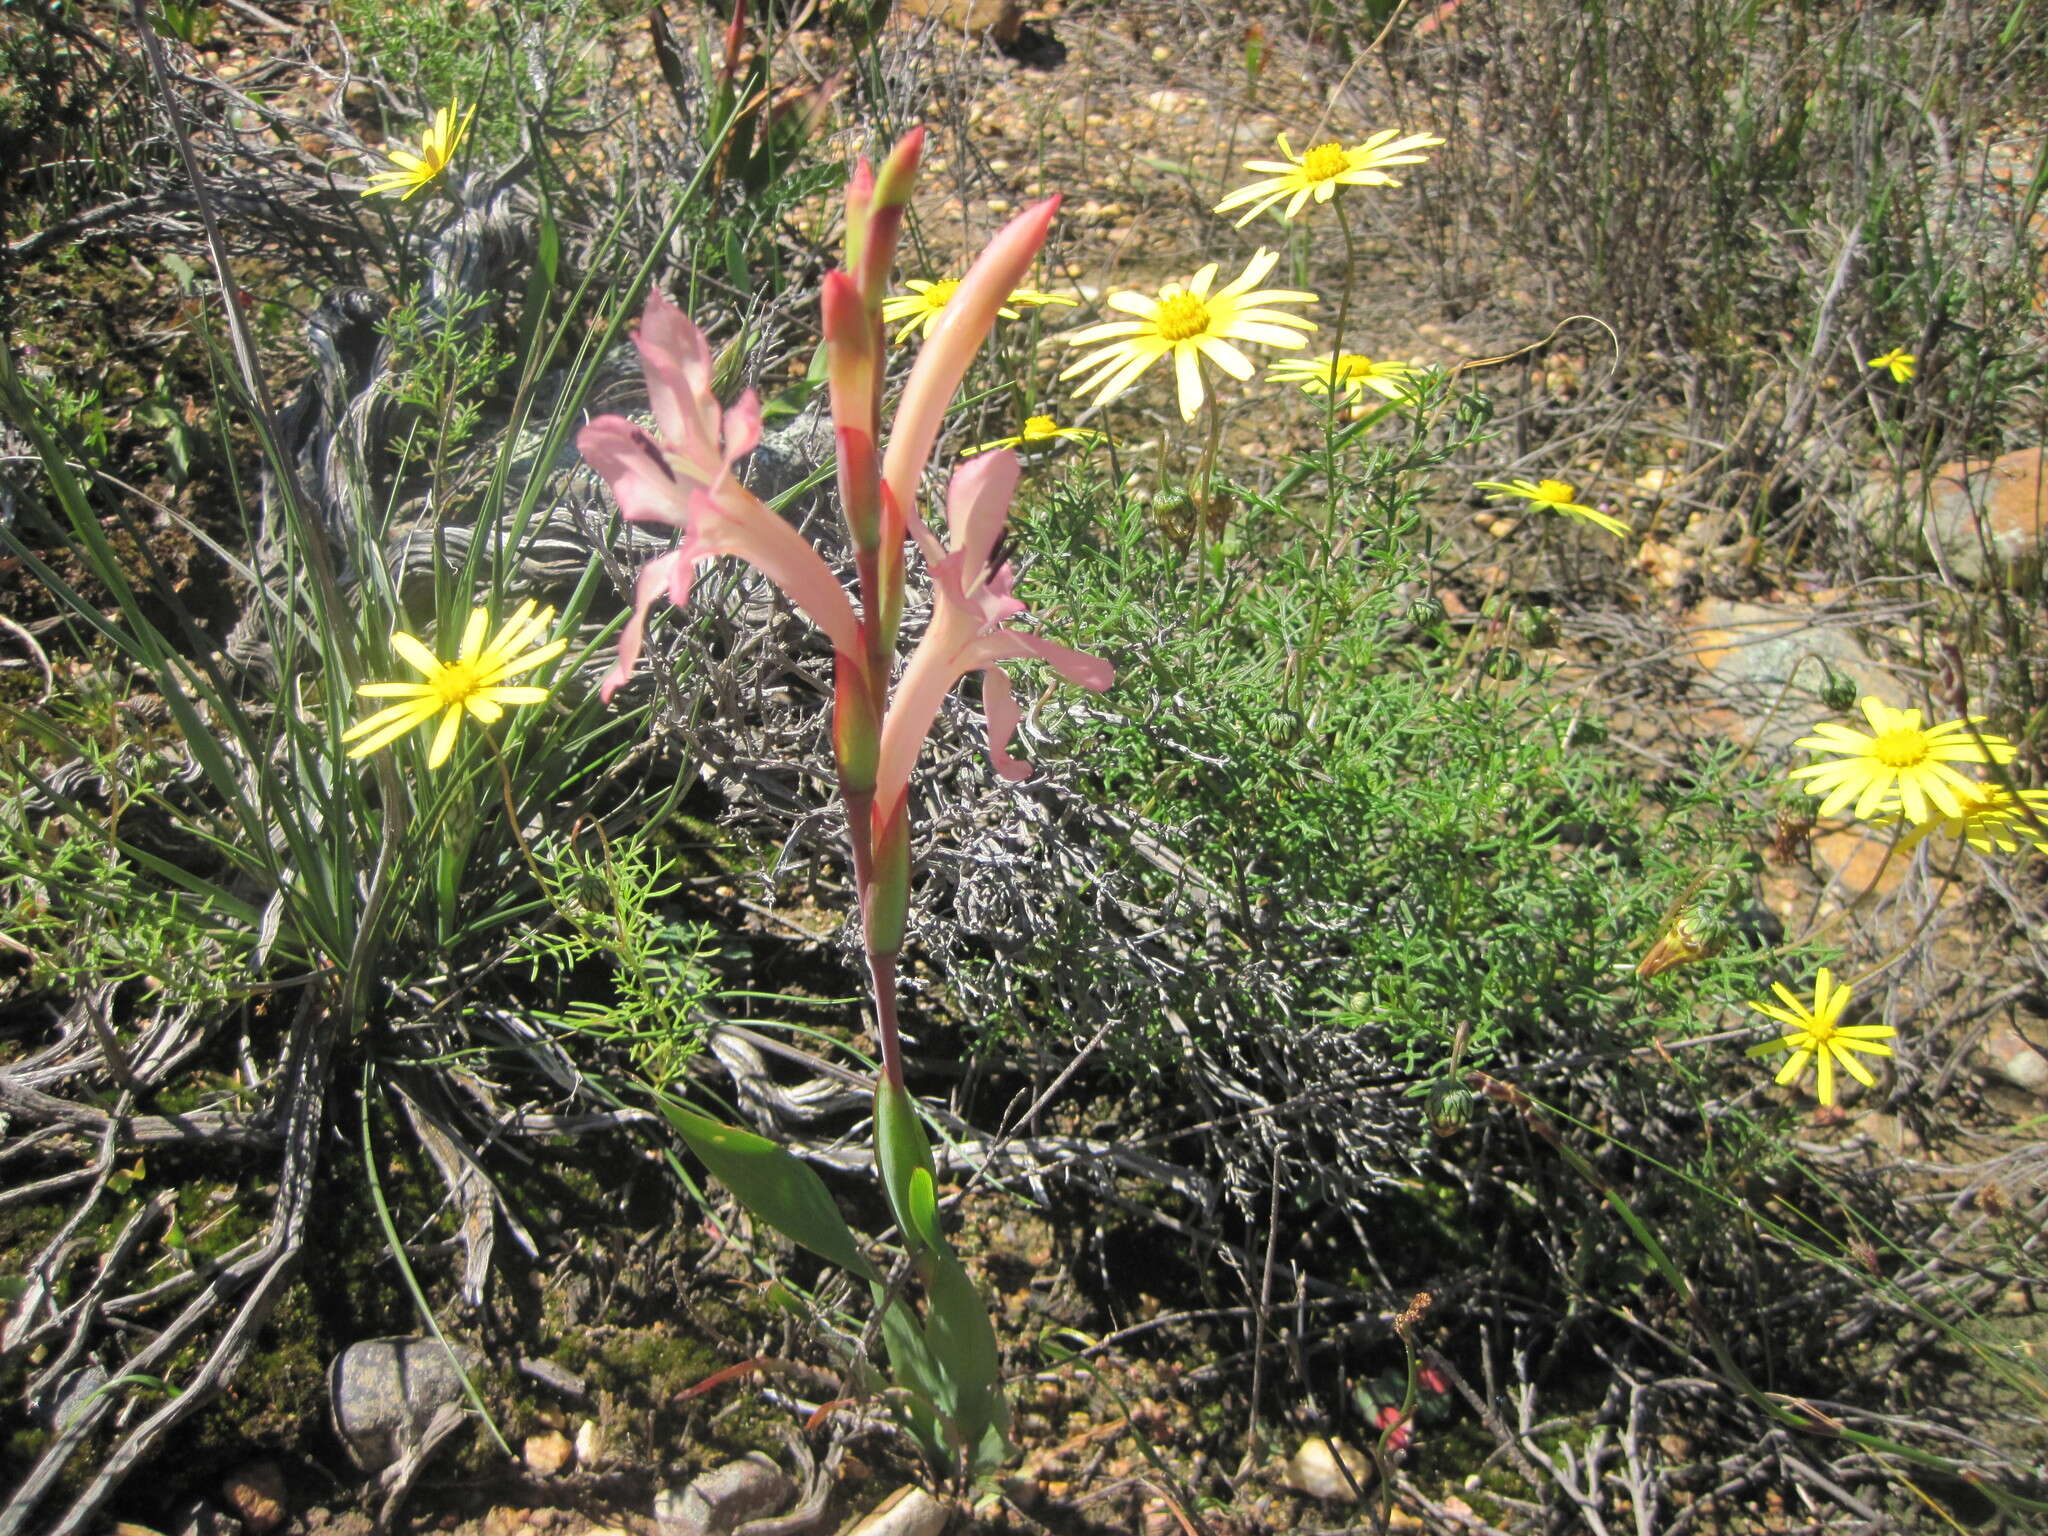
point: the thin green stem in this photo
(1204, 488)
(395, 1245)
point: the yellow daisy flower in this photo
(1993, 819)
(1038, 430)
(1191, 323)
(1899, 361)
(921, 308)
(1557, 496)
(1318, 172)
(1819, 1036)
(472, 682)
(412, 173)
(1902, 759)
(1350, 373)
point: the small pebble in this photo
(549, 1453)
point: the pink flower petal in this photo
(647, 487)
(677, 361)
(943, 359)
(971, 605)
(684, 480)
(651, 583)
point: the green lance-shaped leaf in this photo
(902, 1152)
(924, 1209)
(774, 1185)
(919, 1379)
(962, 1345)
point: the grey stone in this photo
(385, 1392)
(725, 1497)
(792, 451)
(1767, 662)
(555, 1377)
(2013, 1057)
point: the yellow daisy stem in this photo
(512, 815)
(1948, 878)
(1344, 298)
(1299, 663)
(1336, 363)
(1205, 475)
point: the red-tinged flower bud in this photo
(860, 488)
(853, 354)
(893, 184)
(943, 360)
(735, 41)
(898, 175)
(860, 195)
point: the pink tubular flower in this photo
(971, 604)
(682, 476)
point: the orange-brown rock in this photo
(999, 19)
(1980, 514)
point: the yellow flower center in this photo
(1325, 162)
(1353, 365)
(1181, 317)
(1818, 1032)
(1977, 801)
(1554, 492)
(1038, 428)
(940, 294)
(1900, 749)
(455, 682)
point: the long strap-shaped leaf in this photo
(774, 1185)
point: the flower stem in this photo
(882, 976)
(860, 806)
(860, 837)
(1350, 276)
(1205, 483)
(1336, 366)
